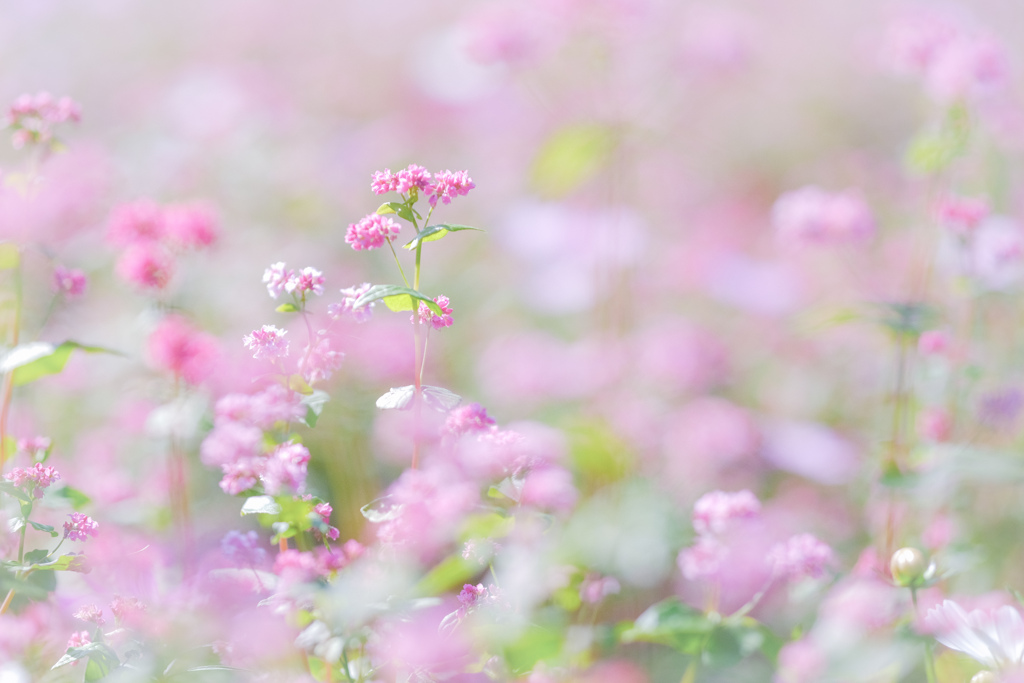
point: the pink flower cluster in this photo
(320, 362)
(150, 235)
(371, 232)
(33, 117)
(69, 281)
(33, 480)
(280, 279)
(813, 216)
(235, 444)
(324, 510)
(80, 527)
(347, 306)
(444, 186)
(437, 321)
(472, 417)
(714, 513)
(93, 613)
(961, 215)
(34, 446)
(955, 60)
(801, 556)
(297, 565)
(267, 342)
(177, 347)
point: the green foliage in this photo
(451, 573)
(47, 362)
(535, 644)
(932, 151)
(10, 256)
(404, 211)
(288, 308)
(432, 233)
(102, 660)
(571, 157)
(396, 298)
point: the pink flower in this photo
(703, 559)
(383, 182)
(92, 613)
(595, 588)
(34, 446)
(80, 527)
(320, 362)
(934, 424)
(277, 278)
(467, 418)
(549, 487)
(306, 280)
(933, 343)
(371, 232)
(244, 548)
(811, 215)
(800, 661)
(69, 281)
(716, 512)
(347, 306)
(139, 221)
(448, 184)
(801, 556)
(324, 510)
(182, 350)
(438, 321)
(190, 226)
(286, 468)
(402, 182)
(961, 214)
(126, 608)
(33, 479)
(267, 342)
(33, 117)
(146, 265)
(78, 639)
(230, 442)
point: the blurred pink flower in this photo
(69, 281)
(139, 221)
(190, 226)
(993, 637)
(320, 362)
(182, 350)
(437, 321)
(471, 417)
(812, 216)
(961, 214)
(717, 512)
(800, 661)
(285, 469)
(146, 265)
(267, 342)
(934, 343)
(32, 117)
(935, 424)
(277, 277)
(80, 527)
(802, 556)
(549, 487)
(347, 308)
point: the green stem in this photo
(8, 383)
(397, 262)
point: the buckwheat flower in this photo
(229, 442)
(126, 608)
(412, 176)
(32, 117)
(703, 559)
(93, 613)
(276, 277)
(177, 347)
(448, 184)
(715, 512)
(286, 468)
(267, 342)
(190, 226)
(383, 182)
(140, 221)
(146, 265)
(813, 216)
(467, 418)
(245, 548)
(324, 510)
(801, 556)
(241, 475)
(33, 479)
(347, 306)
(437, 321)
(80, 527)
(79, 639)
(371, 232)
(69, 281)
(275, 404)
(961, 214)
(306, 280)
(993, 637)
(34, 446)
(320, 362)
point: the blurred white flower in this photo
(993, 637)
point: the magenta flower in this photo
(286, 468)
(448, 184)
(801, 556)
(33, 479)
(412, 176)
(306, 280)
(134, 222)
(811, 215)
(190, 226)
(267, 342)
(276, 278)
(93, 613)
(32, 117)
(371, 232)
(80, 527)
(182, 350)
(438, 321)
(347, 307)
(146, 265)
(717, 511)
(69, 281)
(320, 362)
(78, 639)
(468, 418)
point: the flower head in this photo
(179, 348)
(801, 556)
(146, 265)
(69, 281)
(449, 184)
(190, 226)
(277, 277)
(33, 479)
(715, 512)
(438, 321)
(306, 280)
(371, 232)
(80, 527)
(347, 306)
(267, 342)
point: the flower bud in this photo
(908, 566)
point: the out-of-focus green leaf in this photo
(10, 256)
(535, 644)
(77, 499)
(396, 297)
(598, 454)
(570, 157)
(287, 308)
(299, 385)
(432, 233)
(314, 406)
(452, 572)
(12, 490)
(100, 653)
(671, 623)
(53, 362)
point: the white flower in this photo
(994, 638)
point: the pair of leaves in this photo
(102, 660)
(401, 398)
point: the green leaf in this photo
(260, 505)
(77, 499)
(15, 492)
(67, 563)
(314, 406)
(452, 572)
(433, 233)
(287, 308)
(671, 623)
(36, 556)
(43, 527)
(403, 210)
(396, 297)
(52, 363)
(535, 644)
(571, 157)
(10, 256)
(299, 385)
